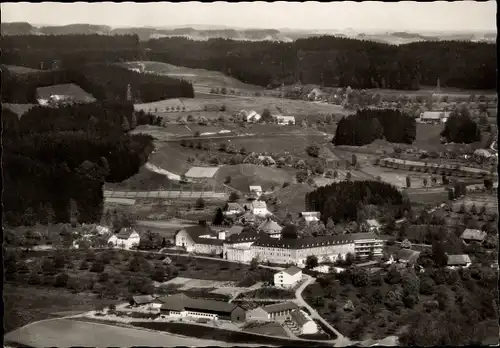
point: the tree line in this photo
(340, 201)
(57, 160)
(368, 125)
(460, 128)
(104, 82)
(333, 61)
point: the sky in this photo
(368, 15)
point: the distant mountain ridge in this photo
(202, 33)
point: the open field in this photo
(19, 109)
(68, 333)
(68, 89)
(431, 196)
(273, 329)
(398, 177)
(20, 69)
(292, 199)
(195, 76)
(245, 175)
(25, 304)
(202, 172)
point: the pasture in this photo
(71, 333)
(245, 175)
(398, 177)
(292, 199)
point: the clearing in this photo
(245, 175)
(69, 89)
(72, 333)
(19, 109)
(16, 69)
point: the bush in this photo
(61, 280)
(97, 266)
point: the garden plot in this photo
(202, 172)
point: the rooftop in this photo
(279, 307)
(312, 242)
(299, 317)
(196, 232)
(270, 226)
(181, 302)
(408, 255)
(457, 260)
(125, 233)
(259, 205)
(473, 234)
(234, 206)
(292, 270)
(143, 299)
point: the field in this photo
(19, 109)
(197, 77)
(245, 175)
(272, 329)
(71, 333)
(398, 177)
(292, 199)
(69, 89)
(20, 69)
(202, 172)
(430, 196)
(26, 304)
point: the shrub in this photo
(97, 266)
(61, 280)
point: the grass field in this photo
(20, 69)
(292, 199)
(202, 172)
(25, 304)
(71, 333)
(245, 175)
(272, 329)
(398, 177)
(19, 109)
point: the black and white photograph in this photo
(249, 174)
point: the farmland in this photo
(67, 333)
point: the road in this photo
(341, 340)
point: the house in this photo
(259, 208)
(373, 225)
(310, 216)
(200, 239)
(459, 261)
(141, 300)
(247, 218)
(233, 208)
(250, 116)
(434, 116)
(256, 189)
(280, 311)
(407, 256)
(288, 278)
(315, 94)
(125, 239)
(271, 228)
(472, 235)
(483, 153)
(302, 323)
(182, 306)
(367, 243)
(285, 120)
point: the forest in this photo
(337, 62)
(103, 82)
(326, 60)
(460, 128)
(57, 160)
(368, 125)
(340, 201)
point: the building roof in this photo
(408, 255)
(290, 118)
(303, 243)
(434, 115)
(473, 234)
(125, 233)
(373, 223)
(299, 317)
(456, 260)
(248, 235)
(248, 216)
(255, 188)
(234, 206)
(259, 205)
(235, 230)
(292, 270)
(195, 232)
(181, 302)
(143, 299)
(310, 214)
(279, 307)
(71, 90)
(270, 226)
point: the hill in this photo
(292, 199)
(245, 175)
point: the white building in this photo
(288, 278)
(256, 189)
(302, 323)
(125, 239)
(271, 228)
(233, 208)
(434, 116)
(367, 243)
(259, 208)
(250, 116)
(278, 312)
(285, 120)
(310, 216)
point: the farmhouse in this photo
(200, 238)
(285, 120)
(60, 94)
(141, 300)
(233, 208)
(472, 235)
(459, 261)
(434, 116)
(315, 94)
(182, 306)
(280, 310)
(288, 278)
(259, 208)
(256, 189)
(310, 216)
(266, 160)
(302, 323)
(125, 239)
(247, 218)
(483, 153)
(250, 116)
(271, 228)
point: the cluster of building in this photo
(252, 116)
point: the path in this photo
(341, 340)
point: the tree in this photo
(133, 121)
(330, 224)
(348, 176)
(411, 289)
(227, 180)
(460, 128)
(219, 217)
(360, 277)
(254, 263)
(97, 266)
(313, 150)
(488, 184)
(311, 262)
(354, 160)
(200, 203)
(125, 124)
(408, 181)
(393, 276)
(425, 182)
(234, 196)
(438, 254)
(61, 280)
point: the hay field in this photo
(72, 333)
(201, 172)
(245, 175)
